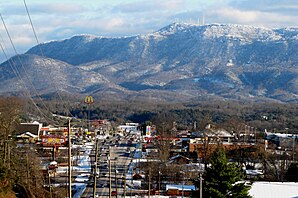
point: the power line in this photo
(3, 44)
(31, 24)
(17, 73)
(20, 61)
(42, 54)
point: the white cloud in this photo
(149, 6)
(23, 40)
(41, 8)
(233, 15)
(62, 8)
(59, 19)
(21, 37)
(251, 17)
(115, 23)
(284, 7)
(173, 5)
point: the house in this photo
(217, 134)
(206, 141)
(33, 128)
(185, 190)
(50, 130)
(212, 134)
(179, 159)
(128, 127)
(27, 137)
(281, 140)
(184, 133)
(207, 148)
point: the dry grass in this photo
(8, 194)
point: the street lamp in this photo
(50, 185)
(69, 160)
(159, 173)
(110, 179)
(201, 185)
(95, 168)
(116, 171)
(124, 178)
(183, 180)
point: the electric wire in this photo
(21, 63)
(42, 54)
(17, 73)
(3, 44)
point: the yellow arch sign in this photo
(89, 100)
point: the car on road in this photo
(91, 196)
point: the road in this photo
(121, 155)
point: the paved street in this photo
(121, 158)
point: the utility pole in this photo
(149, 183)
(110, 186)
(95, 169)
(131, 179)
(255, 135)
(244, 134)
(183, 185)
(89, 100)
(69, 160)
(27, 167)
(124, 182)
(54, 153)
(201, 186)
(50, 185)
(159, 173)
(8, 155)
(116, 179)
(293, 151)
(251, 132)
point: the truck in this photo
(129, 142)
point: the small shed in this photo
(179, 159)
(27, 136)
(174, 189)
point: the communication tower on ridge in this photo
(201, 20)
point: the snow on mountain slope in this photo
(226, 60)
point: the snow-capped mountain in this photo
(38, 75)
(179, 61)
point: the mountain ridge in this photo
(222, 60)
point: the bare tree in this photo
(10, 109)
(276, 166)
(19, 166)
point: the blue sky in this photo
(59, 19)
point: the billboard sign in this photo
(53, 140)
(89, 100)
(148, 131)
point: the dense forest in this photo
(231, 115)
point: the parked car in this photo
(53, 165)
(114, 193)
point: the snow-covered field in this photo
(83, 167)
(274, 190)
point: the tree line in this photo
(18, 165)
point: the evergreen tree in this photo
(292, 173)
(223, 179)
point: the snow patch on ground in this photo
(274, 190)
